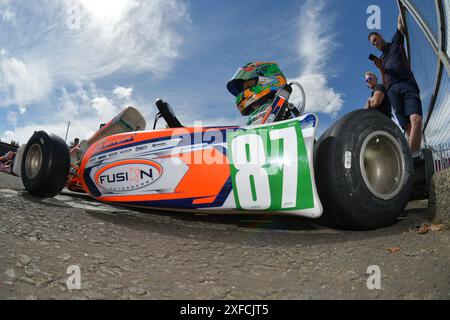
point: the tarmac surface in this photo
(125, 254)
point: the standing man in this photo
(401, 85)
(379, 99)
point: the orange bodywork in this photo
(202, 182)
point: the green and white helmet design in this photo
(268, 79)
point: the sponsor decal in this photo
(126, 151)
(128, 175)
(141, 148)
(161, 144)
(348, 160)
(116, 142)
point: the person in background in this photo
(7, 161)
(379, 99)
(75, 143)
(402, 88)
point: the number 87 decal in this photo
(270, 169)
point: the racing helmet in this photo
(269, 79)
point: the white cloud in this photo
(105, 9)
(316, 45)
(123, 93)
(319, 96)
(23, 83)
(225, 121)
(6, 14)
(11, 118)
(22, 109)
(126, 36)
(122, 36)
(8, 136)
(85, 108)
(23, 133)
(104, 108)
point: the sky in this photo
(84, 61)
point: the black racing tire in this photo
(45, 165)
(364, 171)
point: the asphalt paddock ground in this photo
(124, 254)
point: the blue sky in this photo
(84, 60)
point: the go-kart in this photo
(359, 173)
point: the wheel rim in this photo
(382, 164)
(33, 161)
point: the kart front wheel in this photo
(364, 171)
(45, 165)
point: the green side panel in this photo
(274, 151)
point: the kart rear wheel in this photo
(364, 171)
(45, 165)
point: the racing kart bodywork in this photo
(199, 168)
(360, 169)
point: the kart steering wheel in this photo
(299, 111)
(167, 113)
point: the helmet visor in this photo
(236, 84)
